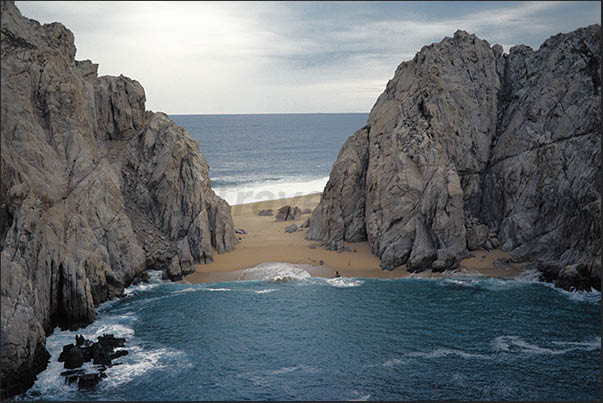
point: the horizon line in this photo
(268, 113)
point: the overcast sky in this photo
(278, 57)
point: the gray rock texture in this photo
(94, 190)
(469, 147)
(288, 213)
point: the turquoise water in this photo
(345, 339)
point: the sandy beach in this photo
(266, 241)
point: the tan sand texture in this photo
(266, 241)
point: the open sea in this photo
(463, 338)
(272, 156)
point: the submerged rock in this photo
(291, 228)
(264, 212)
(466, 142)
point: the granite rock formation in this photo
(94, 190)
(469, 147)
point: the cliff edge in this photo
(469, 146)
(94, 190)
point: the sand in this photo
(266, 241)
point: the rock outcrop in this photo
(469, 147)
(94, 190)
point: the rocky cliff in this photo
(94, 190)
(467, 142)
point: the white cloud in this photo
(231, 57)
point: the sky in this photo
(285, 57)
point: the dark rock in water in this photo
(466, 140)
(74, 358)
(87, 381)
(287, 213)
(79, 340)
(143, 277)
(112, 341)
(119, 353)
(100, 353)
(265, 212)
(101, 357)
(305, 224)
(576, 277)
(63, 354)
(240, 231)
(291, 228)
(321, 262)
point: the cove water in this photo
(343, 339)
(271, 156)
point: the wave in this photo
(216, 289)
(265, 291)
(275, 272)
(154, 281)
(593, 296)
(302, 367)
(270, 190)
(343, 282)
(515, 344)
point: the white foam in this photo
(529, 276)
(582, 345)
(344, 282)
(515, 344)
(443, 352)
(393, 362)
(593, 296)
(275, 272)
(361, 398)
(301, 367)
(270, 190)
(154, 280)
(217, 289)
(185, 290)
(265, 291)
(139, 362)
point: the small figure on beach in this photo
(337, 275)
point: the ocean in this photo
(344, 339)
(271, 156)
(464, 338)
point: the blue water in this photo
(345, 339)
(271, 153)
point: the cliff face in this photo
(467, 141)
(94, 190)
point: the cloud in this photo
(239, 57)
